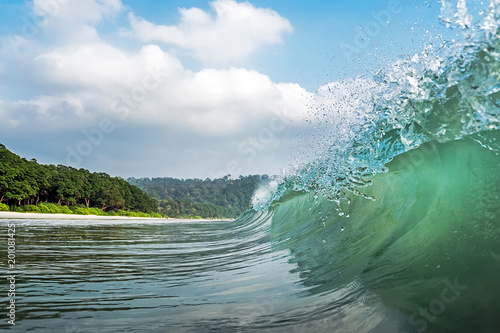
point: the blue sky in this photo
(186, 88)
(310, 55)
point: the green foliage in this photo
(32, 209)
(4, 207)
(122, 212)
(65, 190)
(32, 187)
(64, 210)
(95, 211)
(81, 211)
(218, 198)
(48, 208)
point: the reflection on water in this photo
(122, 276)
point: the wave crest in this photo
(448, 92)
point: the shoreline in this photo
(42, 216)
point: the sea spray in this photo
(449, 91)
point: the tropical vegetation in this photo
(223, 197)
(26, 185)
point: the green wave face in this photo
(427, 245)
(401, 209)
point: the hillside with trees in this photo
(223, 197)
(26, 183)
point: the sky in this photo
(142, 88)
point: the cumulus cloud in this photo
(233, 32)
(153, 86)
(57, 88)
(68, 21)
(222, 102)
(76, 12)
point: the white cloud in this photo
(76, 12)
(100, 78)
(100, 66)
(54, 88)
(68, 21)
(232, 33)
(222, 102)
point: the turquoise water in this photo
(427, 247)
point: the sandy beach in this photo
(16, 215)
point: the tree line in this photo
(223, 197)
(26, 182)
(26, 185)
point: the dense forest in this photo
(27, 183)
(222, 197)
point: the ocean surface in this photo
(393, 226)
(424, 256)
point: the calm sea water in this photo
(123, 276)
